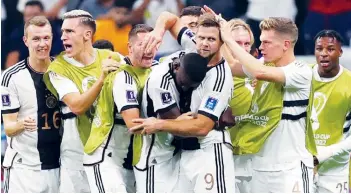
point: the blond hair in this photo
(36, 21)
(281, 25)
(239, 23)
(85, 18)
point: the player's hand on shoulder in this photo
(29, 124)
(109, 65)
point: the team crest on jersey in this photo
(189, 33)
(5, 100)
(131, 96)
(51, 101)
(166, 97)
(211, 103)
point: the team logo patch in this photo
(51, 102)
(211, 103)
(5, 100)
(131, 96)
(189, 33)
(166, 97)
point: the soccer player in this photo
(330, 115)
(31, 117)
(204, 140)
(110, 144)
(103, 44)
(158, 167)
(240, 102)
(189, 17)
(77, 76)
(275, 128)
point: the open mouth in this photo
(67, 47)
(324, 63)
(42, 50)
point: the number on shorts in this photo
(209, 181)
(296, 188)
(342, 187)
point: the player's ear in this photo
(88, 35)
(287, 44)
(130, 47)
(25, 40)
(341, 52)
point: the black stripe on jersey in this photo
(211, 116)
(103, 151)
(165, 80)
(348, 117)
(220, 78)
(9, 111)
(69, 115)
(295, 103)
(220, 179)
(305, 180)
(293, 117)
(348, 123)
(155, 62)
(128, 161)
(98, 179)
(15, 69)
(166, 109)
(180, 34)
(128, 78)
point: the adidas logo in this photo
(109, 154)
(154, 161)
(19, 160)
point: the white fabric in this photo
(158, 178)
(73, 181)
(332, 184)
(298, 179)
(163, 94)
(125, 91)
(260, 9)
(286, 145)
(207, 170)
(20, 180)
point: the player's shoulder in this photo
(123, 77)
(12, 72)
(347, 73)
(185, 31)
(105, 53)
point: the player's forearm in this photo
(165, 22)
(84, 101)
(185, 128)
(341, 147)
(13, 128)
(253, 66)
(235, 67)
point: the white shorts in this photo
(19, 180)
(331, 184)
(243, 173)
(207, 170)
(243, 184)
(158, 178)
(73, 181)
(296, 180)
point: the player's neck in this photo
(86, 57)
(288, 58)
(133, 61)
(215, 60)
(39, 65)
(330, 74)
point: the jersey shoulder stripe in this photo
(11, 71)
(128, 78)
(165, 81)
(220, 78)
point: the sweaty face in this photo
(73, 36)
(242, 37)
(327, 51)
(207, 41)
(31, 11)
(137, 53)
(272, 46)
(38, 41)
(190, 21)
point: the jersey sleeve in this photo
(9, 97)
(160, 93)
(186, 39)
(218, 92)
(125, 92)
(62, 84)
(297, 76)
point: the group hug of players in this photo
(209, 118)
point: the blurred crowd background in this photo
(116, 17)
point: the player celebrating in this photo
(208, 101)
(331, 121)
(275, 128)
(240, 102)
(31, 117)
(109, 145)
(77, 77)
